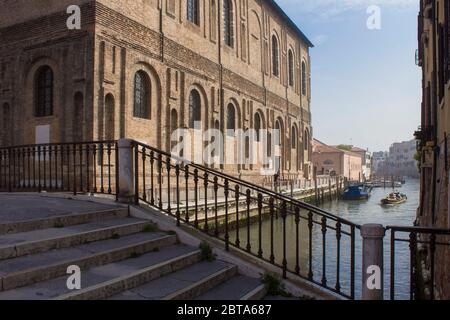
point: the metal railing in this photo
(248, 217)
(300, 239)
(85, 167)
(425, 246)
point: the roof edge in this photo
(291, 23)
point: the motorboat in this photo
(394, 198)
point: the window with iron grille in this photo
(304, 81)
(291, 68)
(258, 126)
(228, 32)
(294, 137)
(195, 114)
(447, 39)
(193, 11)
(275, 57)
(231, 120)
(44, 92)
(142, 92)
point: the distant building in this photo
(401, 160)
(378, 162)
(366, 157)
(336, 162)
(398, 162)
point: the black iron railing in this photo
(426, 246)
(87, 167)
(300, 239)
(249, 217)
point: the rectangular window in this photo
(193, 11)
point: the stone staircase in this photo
(120, 258)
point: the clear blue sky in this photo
(366, 88)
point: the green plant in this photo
(171, 233)
(115, 236)
(273, 283)
(149, 228)
(344, 147)
(135, 255)
(206, 251)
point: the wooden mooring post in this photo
(329, 189)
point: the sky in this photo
(366, 87)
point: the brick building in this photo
(141, 69)
(434, 58)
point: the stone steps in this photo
(24, 243)
(104, 281)
(237, 288)
(29, 269)
(62, 221)
(185, 284)
(120, 257)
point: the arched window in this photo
(291, 68)
(258, 126)
(275, 57)
(109, 117)
(304, 81)
(294, 137)
(5, 116)
(193, 11)
(228, 26)
(173, 120)
(44, 92)
(5, 124)
(173, 125)
(278, 129)
(306, 143)
(77, 126)
(231, 120)
(269, 144)
(142, 95)
(195, 114)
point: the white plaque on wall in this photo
(43, 134)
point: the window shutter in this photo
(447, 39)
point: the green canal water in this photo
(360, 212)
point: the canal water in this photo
(359, 212)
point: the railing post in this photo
(372, 262)
(126, 171)
(9, 169)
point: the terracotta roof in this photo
(320, 147)
(357, 149)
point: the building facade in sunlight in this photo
(434, 58)
(141, 69)
(330, 160)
